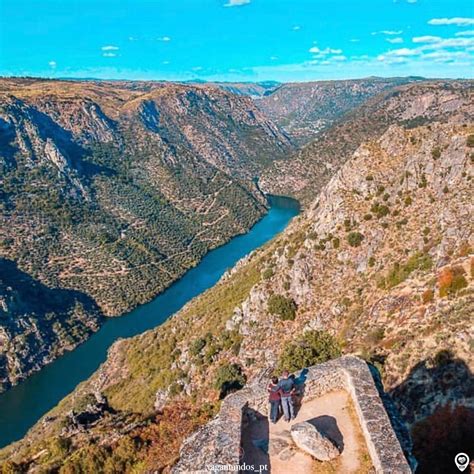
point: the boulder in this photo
(309, 439)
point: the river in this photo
(24, 404)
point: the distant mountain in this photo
(115, 189)
(303, 109)
(252, 89)
(310, 168)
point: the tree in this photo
(313, 347)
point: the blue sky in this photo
(243, 40)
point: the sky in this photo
(236, 40)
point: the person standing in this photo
(274, 397)
(287, 387)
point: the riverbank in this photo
(25, 403)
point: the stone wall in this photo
(218, 442)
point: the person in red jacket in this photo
(274, 397)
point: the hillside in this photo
(113, 190)
(303, 109)
(408, 105)
(381, 262)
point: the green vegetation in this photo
(380, 210)
(400, 272)
(228, 379)
(284, 307)
(313, 347)
(470, 141)
(355, 239)
(436, 153)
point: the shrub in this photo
(354, 239)
(369, 177)
(436, 153)
(380, 210)
(470, 141)
(283, 307)
(399, 273)
(336, 242)
(408, 201)
(229, 378)
(451, 280)
(427, 296)
(313, 347)
(267, 273)
(440, 436)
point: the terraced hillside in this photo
(114, 190)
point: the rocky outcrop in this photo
(307, 437)
(218, 443)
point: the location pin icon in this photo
(462, 461)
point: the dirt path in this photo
(268, 444)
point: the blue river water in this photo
(24, 404)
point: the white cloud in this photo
(458, 21)
(296, 28)
(164, 38)
(426, 39)
(465, 33)
(236, 3)
(325, 51)
(388, 32)
(110, 48)
(109, 55)
(396, 40)
(411, 1)
(52, 64)
(354, 40)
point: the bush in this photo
(451, 280)
(436, 153)
(355, 239)
(440, 436)
(380, 210)
(470, 141)
(229, 378)
(399, 273)
(427, 296)
(267, 273)
(283, 307)
(313, 347)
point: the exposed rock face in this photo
(38, 323)
(305, 173)
(307, 437)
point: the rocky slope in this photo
(381, 262)
(114, 190)
(304, 109)
(409, 105)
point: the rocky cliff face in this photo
(382, 260)
(408, 105)
(114, 190)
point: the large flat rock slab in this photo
(307, 437)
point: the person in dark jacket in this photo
(288, 390)
(274, 398)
